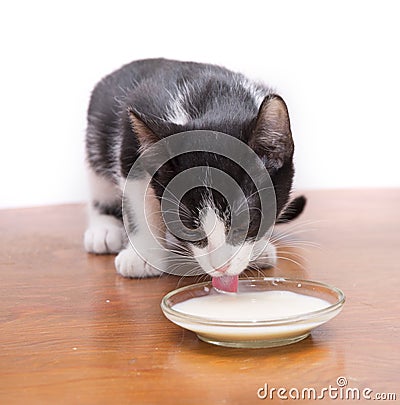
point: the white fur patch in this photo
(142, 202)
(218, 253)
(264, 253)
(176, 112)
(258, 93)
(105, 233)
(213, 227)
(236, 258)
(144, 256)
(102, 189)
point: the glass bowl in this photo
(255, 333)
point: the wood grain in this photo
(73, 332)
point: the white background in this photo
(336, 63)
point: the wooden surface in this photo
(73, 332)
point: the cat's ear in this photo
(145, 136)
(272, 138)
(153, 151)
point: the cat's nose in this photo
(223, 268)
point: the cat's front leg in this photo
(105, 233)
(144, 255)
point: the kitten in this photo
(148, 100)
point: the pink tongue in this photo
(226, 283)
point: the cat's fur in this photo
(148, 100)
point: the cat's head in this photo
(225, 234)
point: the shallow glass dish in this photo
(255, 333)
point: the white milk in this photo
(251, 306)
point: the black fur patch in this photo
(293, 210)
(112, 209)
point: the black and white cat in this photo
(148, 100)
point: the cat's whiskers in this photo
(292, 261)
(247, 198)
(298, 244)
(172, 200)
(193, 273)
(285, 240)
(176, 244)
(283, 235)
(292, 253)
(298, 224)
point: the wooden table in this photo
(73, 332)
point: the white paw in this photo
(104, 238)
(129, 264)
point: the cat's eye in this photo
(238, 234)
(192, 235)
(201, 243)
(238, 231)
